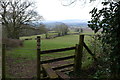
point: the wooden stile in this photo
(56, 71)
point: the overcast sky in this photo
(54, 10)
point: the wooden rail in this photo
(57, 59)
(89, 51)
(57, 50)
(66, 70)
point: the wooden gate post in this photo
(38, 57)
(78, 55)
(3, 61)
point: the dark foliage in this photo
(108, 19)
(12, 43)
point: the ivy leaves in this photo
(102, 19)
(108, 20)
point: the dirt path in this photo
(22, 69)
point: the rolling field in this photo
(29, 49)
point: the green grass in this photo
(29, 49)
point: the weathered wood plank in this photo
(63, 75)
(63, 66)
(57, 50)
(49, 71)
(68, 69)
(57, 59)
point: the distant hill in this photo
(77, 24)
(70, 23)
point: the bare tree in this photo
(14, 13)
(70, 2)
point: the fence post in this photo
(78, 55)
(38, 57)
(3, 61)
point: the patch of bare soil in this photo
(20, 69)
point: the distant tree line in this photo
(29, 30)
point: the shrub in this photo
(12, 43)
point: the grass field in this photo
(28, 51)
